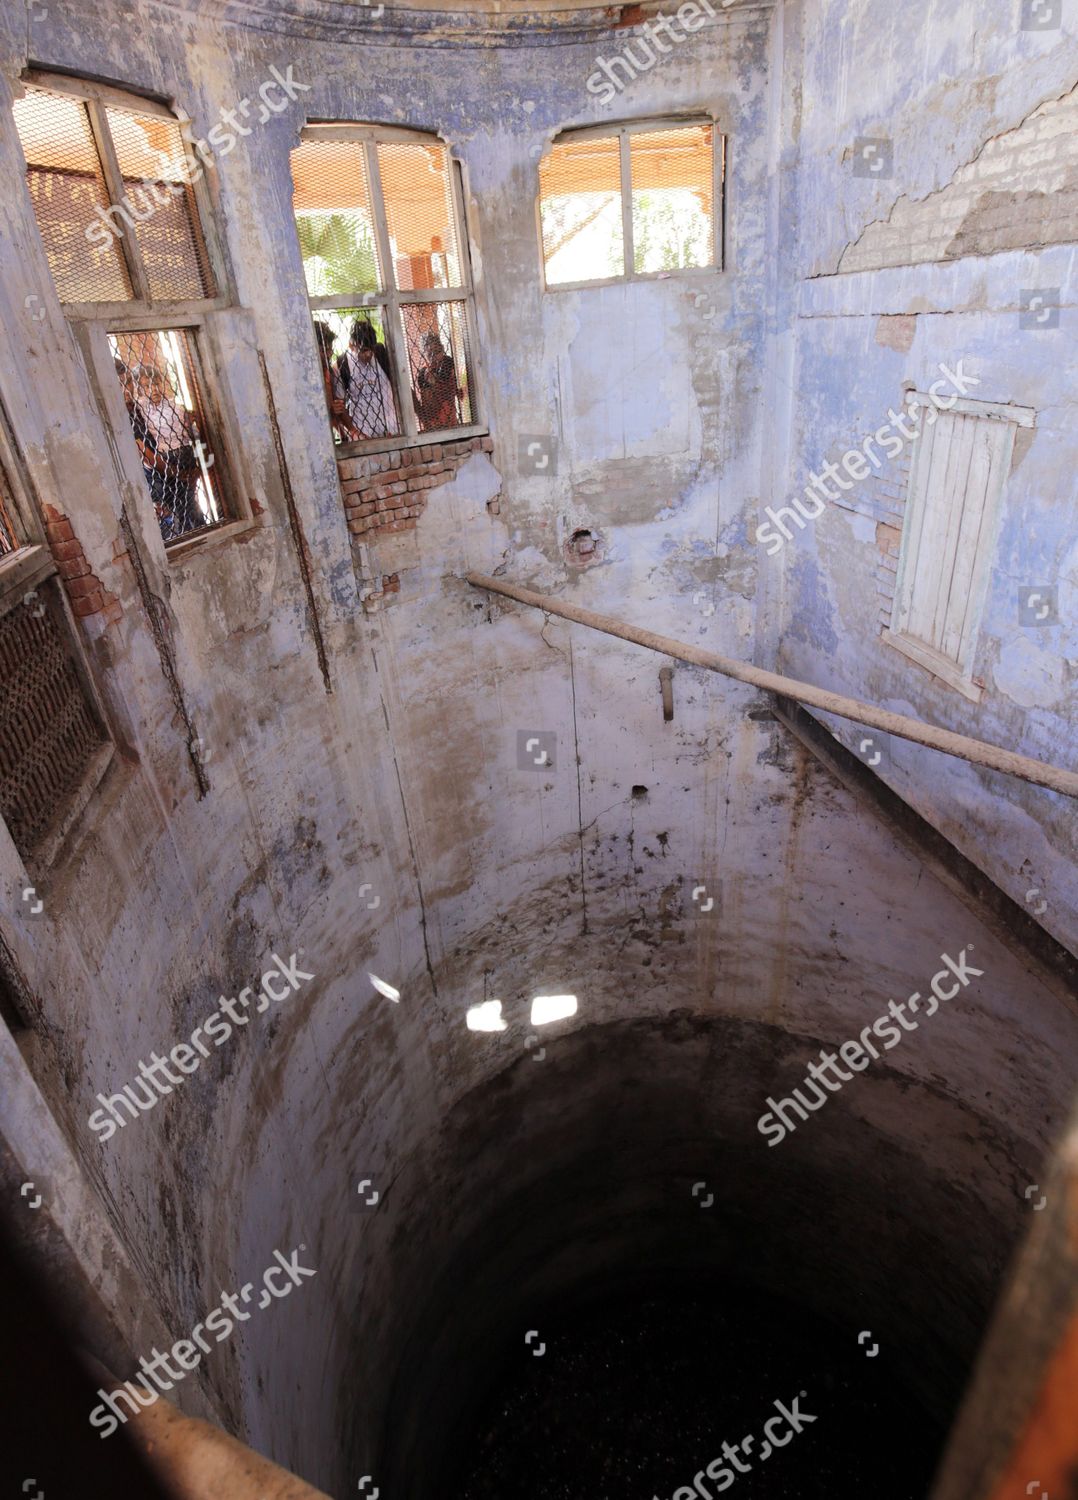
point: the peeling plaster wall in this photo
(388, 828)
(897, 277)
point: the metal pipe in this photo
(977, 752)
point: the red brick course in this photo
(387, 492)
(86, 592)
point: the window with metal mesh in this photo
(580, 210)
(49, 732)
(9, 538)
(113, 196)
(673, 198)
(68, 191)
(439, 363)
(418, 195)
(387, 276)
(334, 217)
(358, 374)
(638, 202)
(158, 374)
(159, 198)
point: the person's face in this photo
(365, 352)
(152, 387)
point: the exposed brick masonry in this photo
(87, 593)
(386, 492)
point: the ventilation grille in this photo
(68, 188)
(580, 211)
(439, 363)
(48, 732)
(332, 203)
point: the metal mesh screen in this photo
(580, 211)
(440, 363)
(158, 196)
(67, 188)
(673, 198)
(418, 197)
(358, 374)
(158, 373)
(48, 731)
(332, 203)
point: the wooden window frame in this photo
(956, 671)
(91, 322)
(389, 301)
(720, 152)
(228, 461)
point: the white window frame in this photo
(921, 531)
(389, 300)
(720, 148)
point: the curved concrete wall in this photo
(387, 828)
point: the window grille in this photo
(379, 222)
(638, 201)
(158, 374)
(49, 734)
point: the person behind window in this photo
(343, 430)
(368, 391)
(166, 438)
(436, 390)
